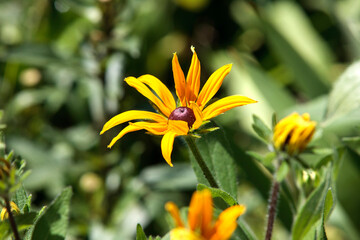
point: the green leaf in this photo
(263, 131)
(310, 214)
(329, 204)
(274, 120)
(22, 199)
(243, 231)
(305, 55)
(215, 192)
(156, 238)
(345, 95)
(351, 139)
(265, 160)
(282, 172)
(166, 237)
(140, 235)
(23, 221)
(53, 222)
(217, 155)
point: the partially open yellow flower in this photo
(4, 213)
(200, 219)
(293, 133)
(173, 120)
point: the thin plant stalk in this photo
(273, 200)
(198, 157)
(272, 209)
(11, 219)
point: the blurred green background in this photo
(62, 65)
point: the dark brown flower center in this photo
(183, 114)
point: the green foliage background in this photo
(62, 65)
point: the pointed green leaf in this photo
(215, 192)
(282, 172)
(265, 160)
(243, 231)
(298, 45)
(53, 222)
(263, 131)
(329, 204)
(140, 235)
(23, 221)
(21, 199)
(311, 212)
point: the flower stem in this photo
(273, 199)
(11, 219)
(206, 171)
(272, 208)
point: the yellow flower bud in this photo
(293, 133)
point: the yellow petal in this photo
(212, 85)
(14, 207)
(224, 105)
(145, 91)
(179, 127)
(293, 133)
(226, 223)
(282, 132)
(206, 213)
(184, 234)
(198, 115)
(167, 146)
(160, 89)
(179, 80)
(131, 115)
(174, 211)
(3, 214)
(201, 212)
(193, 78)
(152, 127)
(126, 130)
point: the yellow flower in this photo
(173, 120)
(200, 219)
(4, 213)
(293, 133)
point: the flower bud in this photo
(293, 133)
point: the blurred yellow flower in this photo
(4, 213)
(200, 219)
(173, 120)
(293, 133)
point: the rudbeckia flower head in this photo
(200, 224)
(293, 133)
(172, 120)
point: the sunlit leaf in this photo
(140, 235)
(54, 221)
(310, 214)
(218, 156)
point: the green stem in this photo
(206, 171)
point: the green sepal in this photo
(262, 130)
